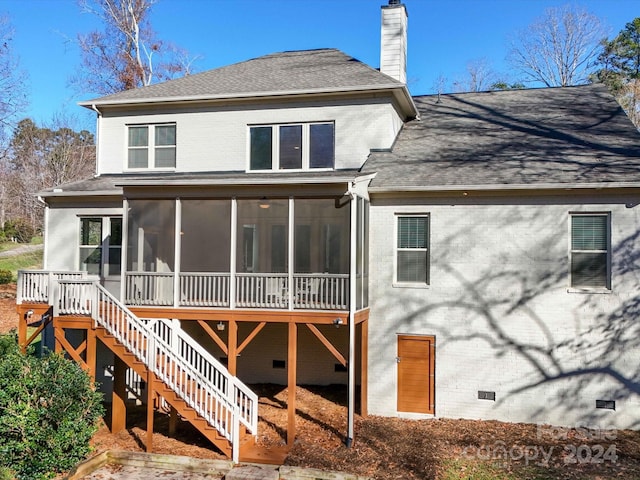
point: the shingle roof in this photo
(537, 137)
(287, 72)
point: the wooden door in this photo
(416, 374)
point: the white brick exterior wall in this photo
(217, 139)
(502, 313)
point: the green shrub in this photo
(5, 277)
(48, 412)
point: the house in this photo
(300, 218)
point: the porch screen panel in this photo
(151, 240)
(259, 250)
(205, 236)
(325, 223)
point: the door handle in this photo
(397, 359)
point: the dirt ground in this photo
(392, 448)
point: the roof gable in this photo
(305, 71)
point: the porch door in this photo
(416, 374)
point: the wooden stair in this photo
(249, 450)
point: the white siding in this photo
(504, 319)
(63, 230)
(217, 139)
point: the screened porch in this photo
(270, 253)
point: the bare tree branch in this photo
(558, 49)
(126, 54)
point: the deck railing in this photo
(262, 290)
(321, 291)
(311, 291)
(204, 289)
(149, 288)
(34, 286)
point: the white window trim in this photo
(608, 287)
(275, 147)
(396, 283)
(104, 244)
(151, 148)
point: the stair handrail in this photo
(230, 407)
(240, 395)
(232, 395)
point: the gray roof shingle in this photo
(536, 137)
(301, 71)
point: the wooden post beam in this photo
(214, 336)
(119, 396)
(334, 351)
(250, 337)
(292, 360)
(232, 356)
(364, 367)
(150, 411)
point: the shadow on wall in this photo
(505, 307)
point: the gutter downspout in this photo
(98, 118)
(44, 230)
(352, 310)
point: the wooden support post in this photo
(173, 421)
(57, 331)
(150, 411)
(364, 367)
(232, 363)
(292, 360)
(119, 396)
(22, 332)
(91, 353)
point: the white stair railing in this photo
(172, 355)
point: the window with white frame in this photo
(589, 257)
(292, 147)
(412, 249)
(100, 245)
(151, 146)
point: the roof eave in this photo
(236, 181)
(85, 193)
(503, 187)
(243, 96)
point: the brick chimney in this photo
(393, 40)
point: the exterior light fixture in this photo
(264, 203)
(220, 326)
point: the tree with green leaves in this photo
(620, 68)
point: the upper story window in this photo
(292, 147)
(152, 146)
(590, 251)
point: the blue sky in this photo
(444, 35)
